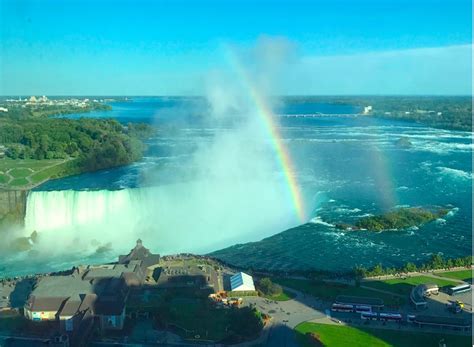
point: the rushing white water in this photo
(166, 218)
(67, 208)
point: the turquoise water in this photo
(347, 167)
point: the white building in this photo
(241, 282)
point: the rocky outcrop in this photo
(12, 207)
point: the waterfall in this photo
(170, 219)
(51, 210)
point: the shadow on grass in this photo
(338, 335)
(329, 291)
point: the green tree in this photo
(267, 287)
(409, 267)
(436, 261)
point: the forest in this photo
(97, 144)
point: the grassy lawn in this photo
(33, 164)
(17, 182)
(36, 170)
(404, 286)
(329, 291)
(20, 172)
(342, 336)
(3, 179)
(283, 296)
(463, 275)
(56, 171)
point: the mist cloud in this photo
(230, 187)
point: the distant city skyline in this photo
(170, 47)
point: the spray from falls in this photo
(240, 186)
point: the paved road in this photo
(288, 314)
(292, 312)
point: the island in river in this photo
(399, 219)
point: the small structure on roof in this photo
(241, 282)
(140, 254)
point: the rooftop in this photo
(110, 271)
(62, 286)
(46, 304)
(242, 279)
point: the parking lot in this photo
(438, 305)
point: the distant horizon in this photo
(203, 96)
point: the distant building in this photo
(241, 282)
(32, 98)
(3, 109)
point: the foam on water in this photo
(455, 173)
(319, 220)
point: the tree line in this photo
(436, 262)
(96, 143)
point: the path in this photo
(429, 273)
(29, 178)
(445, 278)
(286, 315)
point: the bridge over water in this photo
(318, 115)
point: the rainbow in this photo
(270, 125)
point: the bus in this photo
(342, 308)
(363, 308)
(369, 316)
(390, 316)
(463, 288)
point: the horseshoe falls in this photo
(167, 218)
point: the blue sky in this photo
(168, 47)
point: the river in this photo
(204, 185)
